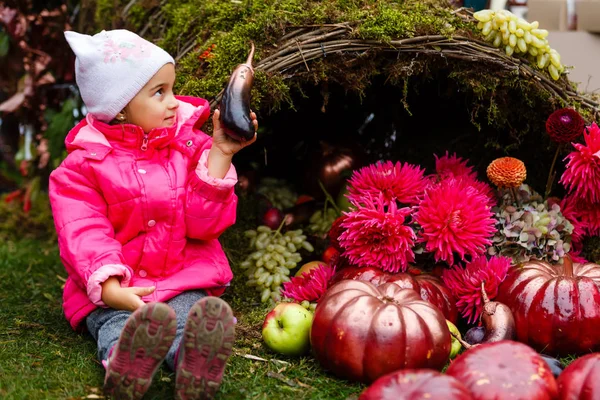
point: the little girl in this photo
(138, 204)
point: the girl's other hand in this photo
(120, 298)
(223, 142)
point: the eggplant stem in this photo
(250, 55)
(486, 299)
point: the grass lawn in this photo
(42, 358)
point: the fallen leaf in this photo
(251, 357)
(282, 378)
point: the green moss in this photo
(591, 249)
(36, 224)
(137, 17)
(397, 20)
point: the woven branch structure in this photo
(306, 43)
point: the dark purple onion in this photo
(555, 365)
(475, 335)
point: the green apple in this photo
(456, 346)
(286, 329)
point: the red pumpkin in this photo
(556, 307)
(581, 379)
(431, 288)
(504, 370)
(409, 384)
(361, 332)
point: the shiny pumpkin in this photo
(361, 331)
(429, 287)
(581, 379)
(556, 307)
(409, 384)
(504, 370)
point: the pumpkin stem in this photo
(486, 299)
(568, 265)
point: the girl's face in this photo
(155, 105)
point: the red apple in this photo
(286, 329)
(308, 266)
(272, 218)
(330, 255)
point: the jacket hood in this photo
(91, 133)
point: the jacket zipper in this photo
(145, 142)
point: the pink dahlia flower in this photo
(376, 235)
(448, 167)
(452, 167)
(582, 173)
(455, 218)
(465, 283)
(590, 217)
(571, 211)
(400, 182)
(310, 285)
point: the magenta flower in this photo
(309, 286)
(404, 183)
(572, 212)
(376, 235)
(590, 217)
(465, 283)
(455, 218)
(582, 173)
(452, 167)
(564, 125)
(448, 167)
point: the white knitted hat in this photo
(111, 67)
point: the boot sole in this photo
(142, 346)
(207, 343)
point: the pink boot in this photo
(142, 346)
(206, 345)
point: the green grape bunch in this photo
(278, 192)
(504, 29)
(274, 255)
(320, 222)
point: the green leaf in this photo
(4, 44)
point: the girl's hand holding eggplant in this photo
(224, 147)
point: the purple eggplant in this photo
(235, 103)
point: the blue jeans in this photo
(106, 324)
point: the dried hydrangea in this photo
(530, 230)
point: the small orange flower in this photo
(507, 172)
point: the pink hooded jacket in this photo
(148, 214)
